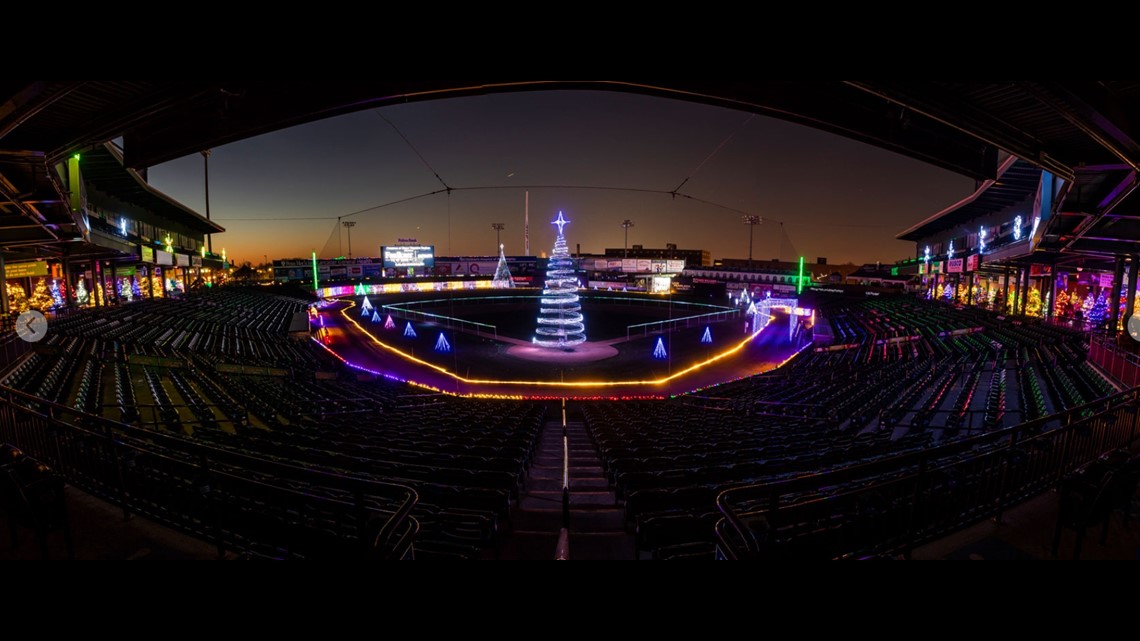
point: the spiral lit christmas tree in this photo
(560, 318)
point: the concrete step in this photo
(597, 520)
(607, 546)
(547, 520)
(530, 546)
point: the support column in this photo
(1004, 293)
(1113, 299)
(1025, 297)
(3, 290)
(1130, 305)
(69, 287)
(970, 289)
(1052, 293)
(115, 282)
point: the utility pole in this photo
(349, 224)
(498, 227)
(626, 224)
(206, 172)
(751, 221)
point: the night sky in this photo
(837, 198)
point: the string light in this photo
(560, 316)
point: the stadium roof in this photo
(1017, 181)
(1065, 127)
(103, 168)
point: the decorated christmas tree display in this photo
(56, 296)
(156, 285)
(1011, 302)
(1099, 310)
(1062, 301)
(17, 299)
(82, 298)
(1087, 306)
(560, 316)
(502, 279)
(125, 292)
(948, 291)
(1033, 305)
(136, 291)
(41, 296)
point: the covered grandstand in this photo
(909, 418)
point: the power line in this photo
(715, 151)
(413, 147)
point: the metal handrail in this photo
(236, 464)
(997, 442)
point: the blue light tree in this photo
(442, 345)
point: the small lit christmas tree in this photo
(1033, 305)
(125, 292)
(155, 285)
(56, 296)
(41, 296)
(389, 323)
(82, 298)
(1062, 301)
(502, 279)
(136, 291)
(410, 331)
(659, 349)
(948, 291)
(706, 338)
(442, 345)
(1099, 311)
(17, 299)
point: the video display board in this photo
(404, 256)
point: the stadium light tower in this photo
(498, 227)
(626, 224)
(349, 224)
(751, 221)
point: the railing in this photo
(895, 504)
(236, 501)
(1119, 364)
(402, 311)
(688, 321)
(562, 549)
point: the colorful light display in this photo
(409, 331)
(706, 338)
(560, 316)
(659, 350)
